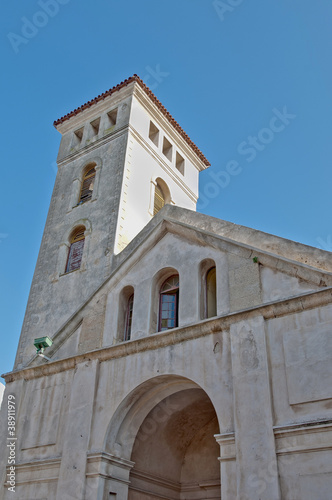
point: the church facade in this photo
(189, 358)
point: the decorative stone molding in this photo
(227, 446)
(171, 337)
(141, 477)
(303, 437)
(37, 471)
(102, 464)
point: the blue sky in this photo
(249, 81)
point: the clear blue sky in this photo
(224, 72)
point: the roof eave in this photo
(161, 107)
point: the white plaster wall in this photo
(170, 252)
(70, 412)
(137, 197)
(277, 285)
(301, 365)
(306, 476)
(145, 162)
(211, 371)
(140, 120)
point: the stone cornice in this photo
(153, 479)
(108, 457)
(289, 430)
(296, 438)
(109, 101)
(175, 336)
(90, 108)
(265, 258)
(75, 155)
(226, 442)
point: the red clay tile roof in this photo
(162, 108)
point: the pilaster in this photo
(77, 432)
(257, 474)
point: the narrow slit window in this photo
(95, 124)
(129, 318)
(76, 250)
(159, 199)
(112, 117)
(167, 149)
(87, 185)
(78, 136)
(168, 304)
(154, 134)
(179, 163)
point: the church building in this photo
(164, 354)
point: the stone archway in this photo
(175, 452)
(164, 432)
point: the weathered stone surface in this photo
(238, 406)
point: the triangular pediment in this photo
(253, 268)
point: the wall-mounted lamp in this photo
(41, 344)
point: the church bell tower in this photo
(121, 158)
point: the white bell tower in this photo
(122, 156)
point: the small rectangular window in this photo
(112, 117)
(179, 163)
(95, 124)
(167, 149)
(154, 134)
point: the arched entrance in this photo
(167, 434)
(175, 453)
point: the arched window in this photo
(76, 250)
(169, 303)
(159, 199)
(160, 195)
(125, 313)
(211, 293)
(129, 318)
(87, 185)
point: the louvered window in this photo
(76, 250)
(87, 185)
(159, 199)
(129, 318)
(169, 302)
